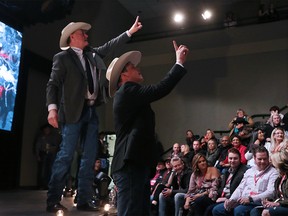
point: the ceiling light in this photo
(178, 17)
(207, 14)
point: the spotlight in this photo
(178, 17)
(207, 14)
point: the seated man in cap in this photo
(73, 92)
(136, 150)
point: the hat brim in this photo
(115, 68)
(68, 30)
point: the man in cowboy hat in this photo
(136, 150)
(73, 92)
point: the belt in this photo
(89, 102)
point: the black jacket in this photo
(135, 120)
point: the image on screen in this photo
(10, 56)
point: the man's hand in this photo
(136, 26)
(181, 52)
(53, 118)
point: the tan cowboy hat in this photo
(115, 68)
(69, 29)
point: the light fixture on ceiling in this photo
(207, 14)
(178, 17)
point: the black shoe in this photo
(55, 208)
(89, 206)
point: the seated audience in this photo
(224, 147)
(160, 169)
(174, 196)
(257, 139)
(236, 143)
(278, 206)
(203, 186)
(213, 152)
(278, 141)
(275, 122)
(165, 181)
(240, 113)
(257, 184)
(197, 148)
(176, 150)
(241, 129)
(101, 183)
(190, 137)
(186, 155)
(231, 178)
(273, 110)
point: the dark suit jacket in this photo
(67, 85)
(235, 181)
(135, 121)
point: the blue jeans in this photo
(277, 211)
(177, 202)
(133, 195)
(240, 210)
(86, 130)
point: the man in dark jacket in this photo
(136, 150)
(231, 178)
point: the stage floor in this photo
(33, 202)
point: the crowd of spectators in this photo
(234, 174)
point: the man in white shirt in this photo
(256, 185)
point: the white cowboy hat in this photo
(69, 29)
(115, 68)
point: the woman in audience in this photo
(213, 152)
(240, 113)
(203, 186)
(186, 155)
(276, 122)
(278, 141)
(258, 139)
(278, 206)
(236, 143)
(190, 137)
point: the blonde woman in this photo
(278, 141)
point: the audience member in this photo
(236, 143)
(47, 146)
(231, 178)
(275, 122)
(197, 148)
(186, 155)
(274, 109)
(203, 186)
(240, 113)
(190, 137)
(224, 147)
(257, 184)
(174, 196)
(101, 183)
(160, 169)
(165, 181)
(257, 139)
(213, 152)
(176, 150)
(278, 141)
(241, 129)
(278, 206)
